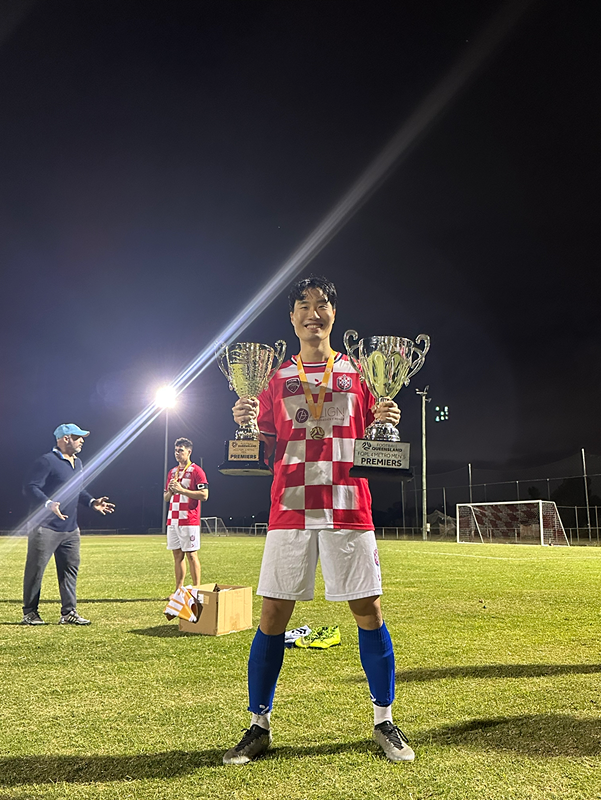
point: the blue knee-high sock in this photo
(264, 665)
(377, 659)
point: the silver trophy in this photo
(248, 367)
(386, 364)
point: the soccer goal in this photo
(260, 529)
(213, 525)
(517, 522)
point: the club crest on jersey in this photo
(302, 415)
(344, 382)
(293, 385)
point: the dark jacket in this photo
(50, 473)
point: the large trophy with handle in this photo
(386, 364)
(248, 367)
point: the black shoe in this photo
(33, 618)
(253, 744)
(73, 619)
(393, 742)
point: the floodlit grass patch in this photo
(498, 673)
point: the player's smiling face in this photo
(313, 317)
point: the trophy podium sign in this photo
(386, 364)
(248, 367)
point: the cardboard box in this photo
(224, 609)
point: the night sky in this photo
(160, 160)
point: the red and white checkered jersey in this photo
(183, 510)
(311, 484)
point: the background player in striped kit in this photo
(317, 511)
(186, 487)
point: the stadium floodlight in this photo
(441, 413)
(166, 397)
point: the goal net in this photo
(517, 522)
(260, 529)
(213, 525)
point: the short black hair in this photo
(300, 288)
(183, 442)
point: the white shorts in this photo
(349, 564)
(183, 537)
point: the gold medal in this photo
(316, 408)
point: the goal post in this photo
(213, 525)
(512, 522)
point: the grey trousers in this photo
(41, 545)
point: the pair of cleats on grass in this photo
(256, 742)
(318, 639)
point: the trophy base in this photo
(245, 468)
(244, 457)
(382, 432)
(381, 460)
(382, 474)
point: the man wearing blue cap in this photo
(56, 483)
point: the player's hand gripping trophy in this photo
(248, 367)
(386, 364)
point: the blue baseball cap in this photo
(69, 429)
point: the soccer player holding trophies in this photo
(309, 416)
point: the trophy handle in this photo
(350, 348)
(220, 356)
(423, 337)
(280, 351)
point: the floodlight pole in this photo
(588, 508)
(165, 464)
(444, 506)
(403, 504)
(425, 399)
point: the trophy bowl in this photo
(248, 367)
(386, 364)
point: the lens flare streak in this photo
(427, 112)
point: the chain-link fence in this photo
(574, 484)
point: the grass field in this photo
(498, 676)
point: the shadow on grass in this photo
(92, 769)
(98, 600)
(495, 671)
(162, 631)
(540, 736)
(536, 735)
(27, 770)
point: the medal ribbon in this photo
(180, 472)
(316, 408)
